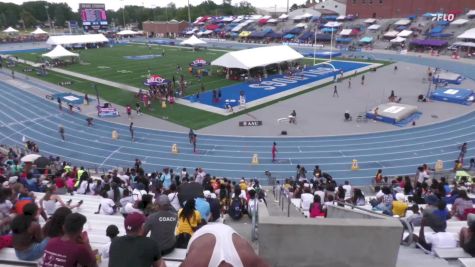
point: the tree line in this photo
(30, 14)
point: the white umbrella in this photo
(30, 158)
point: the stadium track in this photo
(397, 152)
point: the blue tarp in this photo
(442, 23)
(413, 17)
(332, 18)
(274, 35)
(366, 40)
(329, 29)
(289, 36)
(344, 40)
(453, 95)
(324, 37)
(307, 35)
(294, 31)
(261, 34)
(400, 28)
(437, 29)
(441, 35)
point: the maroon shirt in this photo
(61, 253)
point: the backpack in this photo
(235, 209)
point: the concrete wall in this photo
(335, 242)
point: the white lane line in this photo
(382, 135)
(108, 157)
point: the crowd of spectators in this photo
(172, 206)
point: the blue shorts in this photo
(34, 252)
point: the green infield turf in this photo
(110, 63)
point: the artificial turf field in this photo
(110, 64)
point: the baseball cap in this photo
(207, 193)
(134, 221)
(400, 197)
(163, 200)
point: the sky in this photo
(116, 4)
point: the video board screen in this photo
(93, 16)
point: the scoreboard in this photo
(93, 16)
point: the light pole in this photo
(47, 15)
(189, 13)
(123, 13)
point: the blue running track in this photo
(397, 152)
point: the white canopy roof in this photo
(332, 24)
(283, 16)
(77, 39)
(402, 22)
(59, 52)
(38, 31)
(257, 57)
(301, 25)
(391, 34)
(459, 22)
(471, 12)
(342, 17)
(10, 30)
(345, 32)
(468, 34)
(193, 41)
(404, 33)
(205, 32)
(127, 32)
(303, 16)
(398, 40)
(374, 27)
(370, 21)
(467, 44)
(272, 21)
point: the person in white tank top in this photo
(218, 245)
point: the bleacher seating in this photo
(95, 226)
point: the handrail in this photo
(255, 219)
(406, 225)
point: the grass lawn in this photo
(110, 64)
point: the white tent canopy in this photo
(402, 22)
(345, 32)
(468, 34)
(283, 16)
(398, 40)
(459, 22)
(257, 57)
(193, 41)
(127, 32)
(342, 17)
(466, 44)
(59, 52)
(272, 21)
(303, 16)
(391, 34)
(205, 32)
(77, 39)
(301, 25)
(471, 13)
(10, 30)
(374, 27)
(370, 21)
(332, 24)
(404, 33)
(38, 31)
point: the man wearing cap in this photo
(134, 249)
(203, 207)
(71, 249)
(215, 207)
(162, 224)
